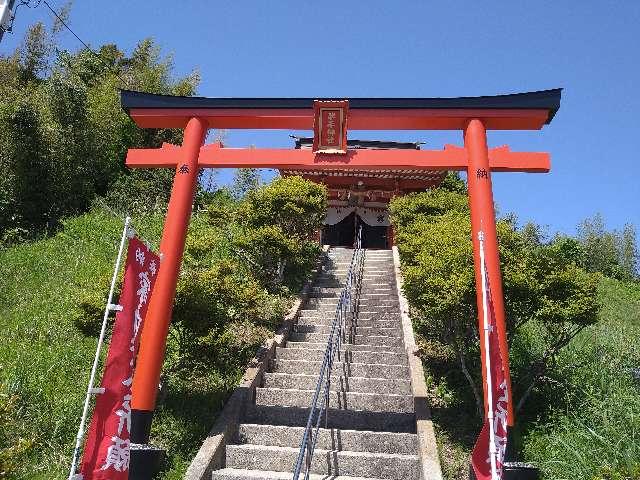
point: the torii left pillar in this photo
(154, 332)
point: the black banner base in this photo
(146, 461)
(520, 471)
(514, 471)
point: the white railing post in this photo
(487, 357)
(127, 232)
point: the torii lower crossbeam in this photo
(501, 159)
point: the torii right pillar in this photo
(483, 218)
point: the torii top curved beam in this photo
(519, 111)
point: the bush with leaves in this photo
(52, 296)
(279, 221)
(238, 274)
(545, 290)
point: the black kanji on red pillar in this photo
(184, 168)
(481, 173)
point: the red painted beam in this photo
(502, 159)
(360, 119)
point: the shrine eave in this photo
(371, 179)
(519, 111)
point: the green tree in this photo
(600, 246)
(245, 180)
(64, 137)
(240, 265)
(546, 291)
(629, 251)
(612, 253)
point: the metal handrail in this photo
(347, 307)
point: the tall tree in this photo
(629, 251)
(245, 180)
(63, 135)
(612, 253)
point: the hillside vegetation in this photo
(575, 377)
(245, 259)
(63, 140)
(64, 136)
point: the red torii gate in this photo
(472, 115)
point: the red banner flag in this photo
(481, 455)
(330, 126)
(107, 450)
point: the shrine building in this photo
(360, 198)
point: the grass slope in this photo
(44, 358)
(589, 427)
(593, 429)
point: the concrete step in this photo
(368, 320)
(346, 346)
(314, 312)
(334, 293)
(379, 311)
(364, 312)
(356, 339)
(375, 308)
(342, 272)
(398, 422)
(321, 303)
(373, 299)
(329, 283)
(339, 382)
(367, 370)
(330, 439)
(377, 296)
(317, 321)
(356, 356)
(325, 462)
(370, 402)
(343, 265)
(351, 328)
(243, 474)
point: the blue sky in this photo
(420, 49)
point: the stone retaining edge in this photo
(427, 446)
(211, 455)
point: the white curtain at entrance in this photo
(374, 217)
(371, 214)
(336, 214)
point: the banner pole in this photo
(492, 441)
(90, 390)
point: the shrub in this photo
(544, 288)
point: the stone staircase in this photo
(371, 421)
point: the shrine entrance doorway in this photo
(343, 233)
(374, 236)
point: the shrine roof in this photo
(516, 111)
(419, 178)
